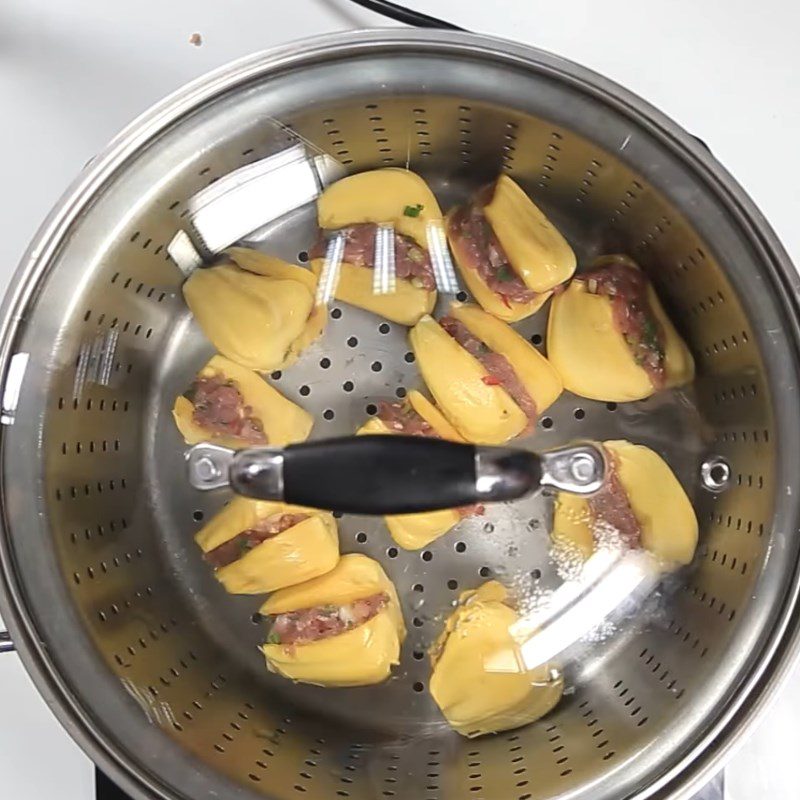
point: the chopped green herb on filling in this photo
(650, 334)
(505, 274)
(245, 546)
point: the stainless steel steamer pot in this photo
(154, 671)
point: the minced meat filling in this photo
(469, 227)
(626, 286)
(312, 624)
(219, 408)
(410, 260)
(244, 542)
(474, 510)
(402, 418)
(614, 522)
(501, 373)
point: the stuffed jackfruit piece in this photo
(479, 679)
(344, 628)
(417, 416)
(256, 546)
(610, 338)
(261, 264)
(261, 321)
(488, 381)
(509, 254)
(354, 208)
(232, 406)
(641, 505)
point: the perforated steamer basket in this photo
(147, 662)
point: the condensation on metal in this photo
(150, 608)
(384, 274)
(13, 386)
(95, 363)
(329, 275)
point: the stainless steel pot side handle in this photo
(6, 645)
(394, 474)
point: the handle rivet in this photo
(583, 468)
(206, 469)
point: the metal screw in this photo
(208, 466)
(715, 474)
(578, 468)
(583, 468)
(206, 469)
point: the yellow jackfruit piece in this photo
(667, 521)
(251, 319)
(271, 267)
(659, 503)
(512, 311)
(537, 252)
(415, 531)
(305, 550)
(592, 356)
(572, 526)
(381, 196)
(481, 413)
(536, 373)
(405, 305)
(360, 656)
(283, 421)
(479, 680)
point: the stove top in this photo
(105, 789)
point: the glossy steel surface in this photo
(155, 671)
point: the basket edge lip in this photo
(696, 766)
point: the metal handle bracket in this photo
(6, 645)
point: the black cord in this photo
(406, 15)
